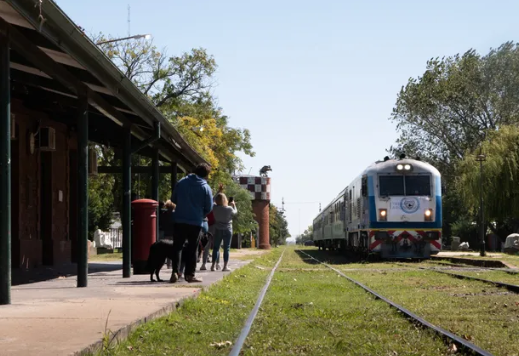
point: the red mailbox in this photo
(144, 232)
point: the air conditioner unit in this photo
(92, 161)
(14, 131)
(47, 139)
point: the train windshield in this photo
(417, 185)
(391, 185)
(405, 185)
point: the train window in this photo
(391, 185)
(364, 187)
(418, 185)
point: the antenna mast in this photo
(129, 22)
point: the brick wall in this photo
(27, 244)
(261, 210)
(60, 197)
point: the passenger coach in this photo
(393, 209)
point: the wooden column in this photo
(5, 166)
(82, 236)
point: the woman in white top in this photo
(223, 215)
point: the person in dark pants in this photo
(194, 200)
(167, 219)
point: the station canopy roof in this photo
(53, 63)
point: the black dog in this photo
(163, 249)
(159, 251)
(202, 242)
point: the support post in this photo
(482, 251)
(82, 236)
(127, 209)
(5, 166)
(155, 186)
(174, 176)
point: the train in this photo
(393, 210)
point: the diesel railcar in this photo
(393, 210)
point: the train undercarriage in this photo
(387, 244)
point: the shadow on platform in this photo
(21, 276)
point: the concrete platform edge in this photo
(481, 263)
(123, 333)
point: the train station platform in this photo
(54, 317)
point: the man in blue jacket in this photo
(194, 200)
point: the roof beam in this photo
(135, 169)
(21, 74)
(64, 35)
(42, 61)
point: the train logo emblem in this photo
(410, 205)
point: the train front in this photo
(405, 209)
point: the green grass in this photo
(479, 312)
(310, 310)
(319, 313)
(216, 316)
(116, 256)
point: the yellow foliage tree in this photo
(203, 137)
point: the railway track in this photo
(511, 287)
(509, 271)
(235, 351)
(462, 344)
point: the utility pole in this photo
(481, 158)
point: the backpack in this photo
(210, 219)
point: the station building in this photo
(59, 95)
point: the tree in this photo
(167, 81)
(180, 87)
(100, 202)
(500, 186)
(278, 226)
(307, 235)
(447, 111)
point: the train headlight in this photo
(407, 167)
(428, 215)
(382, 214)
(399, 167)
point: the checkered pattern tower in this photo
(259, 189)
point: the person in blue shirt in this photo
(194, 200)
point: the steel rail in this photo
(246, 329)
(505, 270)
(468, 346)
(510, 287)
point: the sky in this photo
(314, 81)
